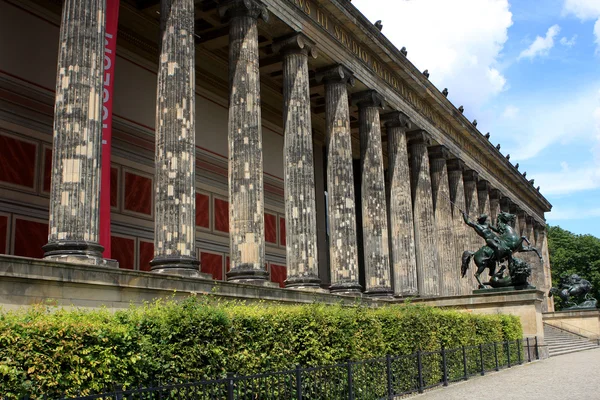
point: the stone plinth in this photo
(580, 322)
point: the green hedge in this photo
(57, 352)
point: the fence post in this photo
(528, 351)
(519, 345)
(298, 382)
(481, 359)
(118, 391)
(388, 361)
(420, 370)
(465, 363)
(444, 367)
(496, 356)
(229, 386)
(537, 353)
(508, 352)
(350, 382)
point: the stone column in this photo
(340, 181)
(470, 178)
(423, 213)
(76, 158)
(521, 224)
(542, 244)
(537, 269)
(514, 210)
(300, 207)
(175, 208)
(246, 194)
(374, 213)
(403, 255)
(449, 284)
(505, 203)
(495, 196)
(461, 230)
(483, 196)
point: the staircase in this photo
(562, 342)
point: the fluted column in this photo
(537, 269)
(495, 196)
(542, 244)
(424, 220)
(444, 225)
(76, 158)
(483, 196)
(461, 230)
(340, 181)
(470, 178)
(505, 203)
(246, 191)
(373, 201)
(300, 206)
(175, 209)
(514, 210)
(521, 221)
(403, 255)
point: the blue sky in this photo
(529, 72)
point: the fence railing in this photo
(379, 378)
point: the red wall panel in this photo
(282, 240)
(146, 255)
(122, 250)
(47, 170)
(221, 215)
(3, 233)
(17, 161)
(270, 228)
(114, 187)
(202, 210)
(278, 274)
(30, 236)
(138, 193)
(212, 264)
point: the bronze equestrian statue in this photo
(501, 243)
(574, 287)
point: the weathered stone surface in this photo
(449, 282)
(541, 242)
(483, 197)
(340, 189)
(373, 201)
(514, 209)
(300, 207)
(175, 201)
(246, 190)
(423, 213)
(505, 204)
(76, 159)
(403, 255)
(495, 196)
(461, 230)
(470, 178)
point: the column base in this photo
(246, 273)
(78, 252)
(347, 288)
(380, 292)
(177, 265)
(306, 282)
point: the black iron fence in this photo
(380, 378)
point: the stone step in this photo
(573, 346)
(560, 342)
(559, 353)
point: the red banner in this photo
(110, 50)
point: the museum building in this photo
(270, 142)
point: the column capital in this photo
(335, 74)
(243, 8)
(368, 98)
(295, 44)
(439, 152)
(483, 185)
(455, 164)
(539, 227)
(396, 119)
(418, 137)
(470, 175)
(495, 194)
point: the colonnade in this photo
(412, 242)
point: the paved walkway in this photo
(570, 376)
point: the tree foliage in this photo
(574, 254)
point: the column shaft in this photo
(340, 188)
(472, 207)
(494, 205)
(300, 208)
(461, 230)
(483, 197)
(444, 225)
(373, 201)
(403, 255)
(175, 202)
(246, 194)
(423, 213)
(77, 143)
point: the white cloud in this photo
(585, 10)
(568, 42)
(541, 45)
(560, 214)
(458, 41)
(510, 112)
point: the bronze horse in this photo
(501, 243)
(572, 287)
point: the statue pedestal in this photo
(503, 289)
